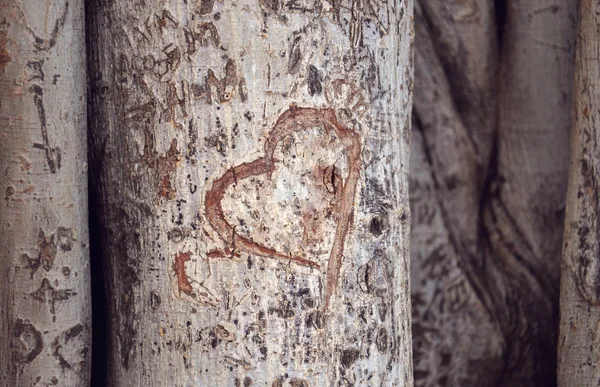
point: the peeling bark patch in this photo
(293, 120)
(183, 283)
(224, 89)
(49, 295)
(53, 155)
(314, 80)
(27, 341)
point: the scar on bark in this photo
(43, 44)
(4, 55)
(202, 33)
(226, 88)
(183, 283)
(27, 341)
(53, 155)
(291, 121)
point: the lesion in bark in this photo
(27, 341)
(185, 287)
(42, 43)
(47, 249)
(48, 294)
(223, 90)
(292, 121)
(70, 349)
(363, 15)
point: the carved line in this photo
(53, 155)
(42, 44)
(293, 120)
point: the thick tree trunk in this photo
(578, 350)
(251, 164)
(488, 178)
(44, 254)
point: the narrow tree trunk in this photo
(251, 160)
(488, 178)
(44, 254)
(579, 341)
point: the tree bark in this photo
(578, 355)
(45, 312)
(251, 164)
(488, 177)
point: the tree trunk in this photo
(578, 355)
(251, 164)
(45, 318)
(488, 177)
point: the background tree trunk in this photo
(578, 356)
(488, 179)
(45, 312)
(251, 165)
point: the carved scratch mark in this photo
(359, 13)
(27, 341)
(47, 294)
(183, 283)
(43, 44)
(225, 88)
(293, 120)
(47, 249)
(201, 33)
(53, 155)
(4, 55)
(184, 288)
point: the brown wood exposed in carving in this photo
(295, 119)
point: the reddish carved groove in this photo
(293, 120)
(183, 283)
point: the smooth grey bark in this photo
(488, 180)
(251, 163)
(45, 306)
(578, 349)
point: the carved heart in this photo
(291, 121)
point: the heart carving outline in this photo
(295, 119)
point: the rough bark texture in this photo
(251, 164)
(488, 174)
(579, 341)
(44, 254)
